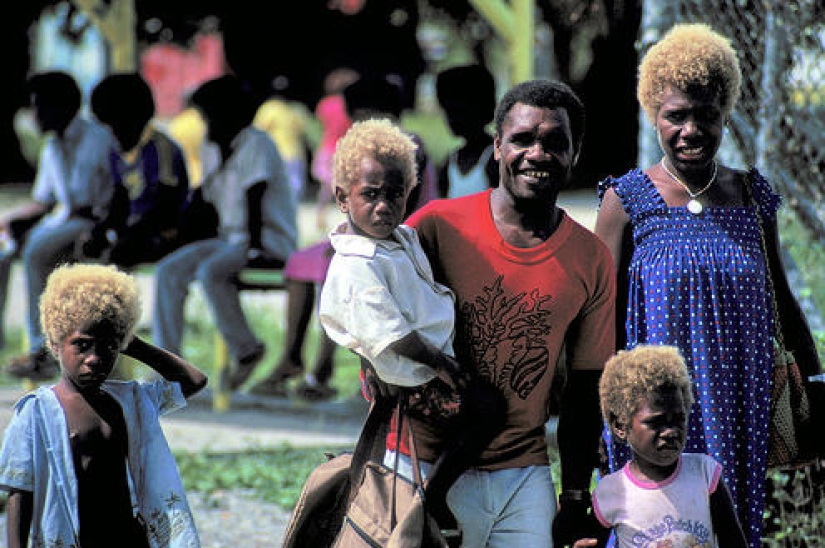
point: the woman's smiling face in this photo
(690, 127)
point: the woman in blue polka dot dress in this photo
(685, 236)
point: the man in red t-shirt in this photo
(533, 289)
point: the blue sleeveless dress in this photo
(698, 282)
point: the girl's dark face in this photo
(657, 432)
(690, 127)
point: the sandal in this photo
(275, 384)
(315, 392)
(40, 365)
(245, 367)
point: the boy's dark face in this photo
(128, 132)
(48, 116)
(375, 202)
(88, 355)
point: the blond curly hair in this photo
(81, 295)
(379, 138)
(689, 55)
(633, 375)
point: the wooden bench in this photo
(256, 276)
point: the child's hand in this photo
(585, 542)
(129, 343)
(378, 389)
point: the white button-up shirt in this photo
(376, 293)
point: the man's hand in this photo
(574, 521)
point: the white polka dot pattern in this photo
(698, 282)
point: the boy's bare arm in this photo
(170, 366)
(19, 518)
(415, 348)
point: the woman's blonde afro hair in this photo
(689, 55)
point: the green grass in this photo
(267, 318)
(795, 516)
(275, 475)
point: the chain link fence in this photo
(779, 122)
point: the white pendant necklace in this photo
(693, 205)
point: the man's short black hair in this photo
(123, 95)
(544, 94)
(57, 89)
(227, 97)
